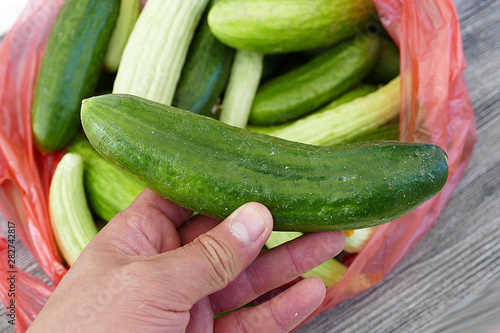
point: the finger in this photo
(201, 317)
(195, 227)
(280, 314)
(147, 227)
(175, 213)
(277, 266)
(214, 259)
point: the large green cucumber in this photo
(315, 83)
(109, 189)
(205, 72)
(277, 26)
(70, 68)
(213, 168)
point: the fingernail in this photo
(248, 225)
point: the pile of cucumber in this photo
(217, 103)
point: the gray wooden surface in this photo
(450, 282)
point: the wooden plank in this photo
(469, 8)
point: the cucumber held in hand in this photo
(70, 68)
(213, 168)
(277, 26)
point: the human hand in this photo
(149, 271)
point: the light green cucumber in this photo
(156, 50)
(385, 132)
(129, 12)
(277, 26)
(70, 217)
(241, 88)
(349, 96)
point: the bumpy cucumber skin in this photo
(316, 83)
(211, 167)
(277, 26)
(70, 69)
(205, 72)
(109, 189)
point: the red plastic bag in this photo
(435, 108)
(30, 292)
(24, 172)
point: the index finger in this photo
(278, 266)
(147, 227)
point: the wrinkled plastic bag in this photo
(435, 108)
(31, 292)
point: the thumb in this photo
(217, 257)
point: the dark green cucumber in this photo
(109, 189)
(70, 68)
(335, 124)
(277, 26)
(315, 83)
(213, 168)
(345, 98)
(387, 67)
(205, 72)
(278, 64)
